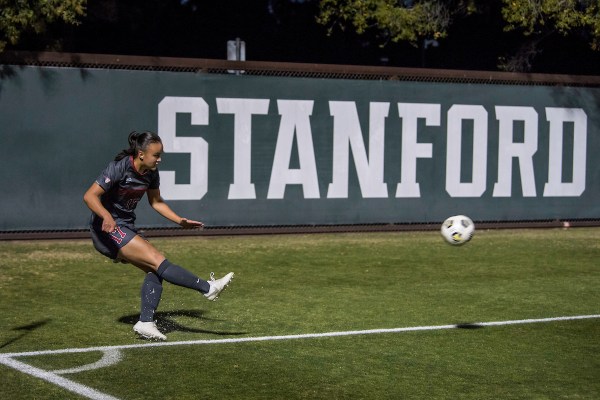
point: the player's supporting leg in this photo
(151, 292)
(150, 296)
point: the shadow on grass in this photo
(469, 325)
(25, 330)
(166, 323)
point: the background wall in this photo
(259, 150)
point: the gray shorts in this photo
(109, 244)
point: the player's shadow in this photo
(469, 325)
(166, 323)
(24, 331)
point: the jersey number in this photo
(118, 235)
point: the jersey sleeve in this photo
(155, 181)
(109, 177)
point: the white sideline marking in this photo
(112, 353)
(110, 357)
(56, 379)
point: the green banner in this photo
(248, 150)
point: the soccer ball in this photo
(458, 229)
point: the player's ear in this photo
(141, 155)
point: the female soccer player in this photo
(113, 198)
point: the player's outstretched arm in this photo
(158, 204)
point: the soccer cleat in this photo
(148, 330)
(217, 285)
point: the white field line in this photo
(111, 354)
(51, 377)
(299, 336)
(110, 357)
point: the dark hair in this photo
(138, 141)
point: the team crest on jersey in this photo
(106, 179)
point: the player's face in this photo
(151, 157)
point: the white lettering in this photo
(517, 145)
(555, 185)
(348, 135)
(295, 122)
(411, 150)
(508, 149)
(242, 109)
(454, 186)
(196, 146)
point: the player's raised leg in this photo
(143, 255)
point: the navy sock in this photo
(151, 292)
(181, 277)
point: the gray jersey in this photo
(124, 187)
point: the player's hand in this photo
(108, 225)
(191, 224)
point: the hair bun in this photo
(133, 137)
(138, 141)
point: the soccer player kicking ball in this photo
(113, 198)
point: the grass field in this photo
(63, 306)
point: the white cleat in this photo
(217, 285)
(148, 330)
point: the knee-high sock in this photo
(151, 292)
(181, 277)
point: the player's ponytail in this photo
(138, 141)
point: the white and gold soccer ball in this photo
(458, 229)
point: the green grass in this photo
(58, 295)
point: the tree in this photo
(414, 21)
(23, 16)
(538, 20)
(405, 20)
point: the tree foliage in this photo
(20, 16)
(534, 17)
(538, 20)
(415, 20)
(407, 20)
